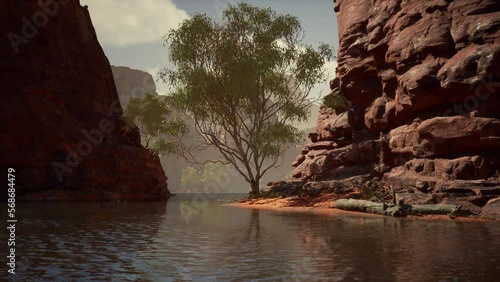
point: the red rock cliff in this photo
(423, 80)
(61, 120)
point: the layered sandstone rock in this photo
(423, 80)
(62, 127)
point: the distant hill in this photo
(132, 83)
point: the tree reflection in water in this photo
(253, 227)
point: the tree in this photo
(152, 115)
(208, 173)
(245, 81)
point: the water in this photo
(156, 242)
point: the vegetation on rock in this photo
(152, 115)
(336, 101)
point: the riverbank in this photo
(324, 204)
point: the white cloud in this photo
(127, 22)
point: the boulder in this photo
(492, 209)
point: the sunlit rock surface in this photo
(423, 79)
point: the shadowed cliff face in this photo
(62, 127)
(423, 79)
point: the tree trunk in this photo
(255, 188)
(395, 210)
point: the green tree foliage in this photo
(336, 101)
(153, 116)
(208, 173)
(245, 81)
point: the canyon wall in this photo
(422, 78)
(61, 120)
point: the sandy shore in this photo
(316, 210)
(324, 205)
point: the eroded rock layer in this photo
(423, 80)
(62, 127)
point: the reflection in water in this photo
(254, 226)
(152, 241)
(77, 240)
(389, 249)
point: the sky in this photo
(131, 31)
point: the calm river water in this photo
(186, 240)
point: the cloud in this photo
(127, 22)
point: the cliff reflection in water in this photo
(85, 240)
(389, 249)
(154, 241)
